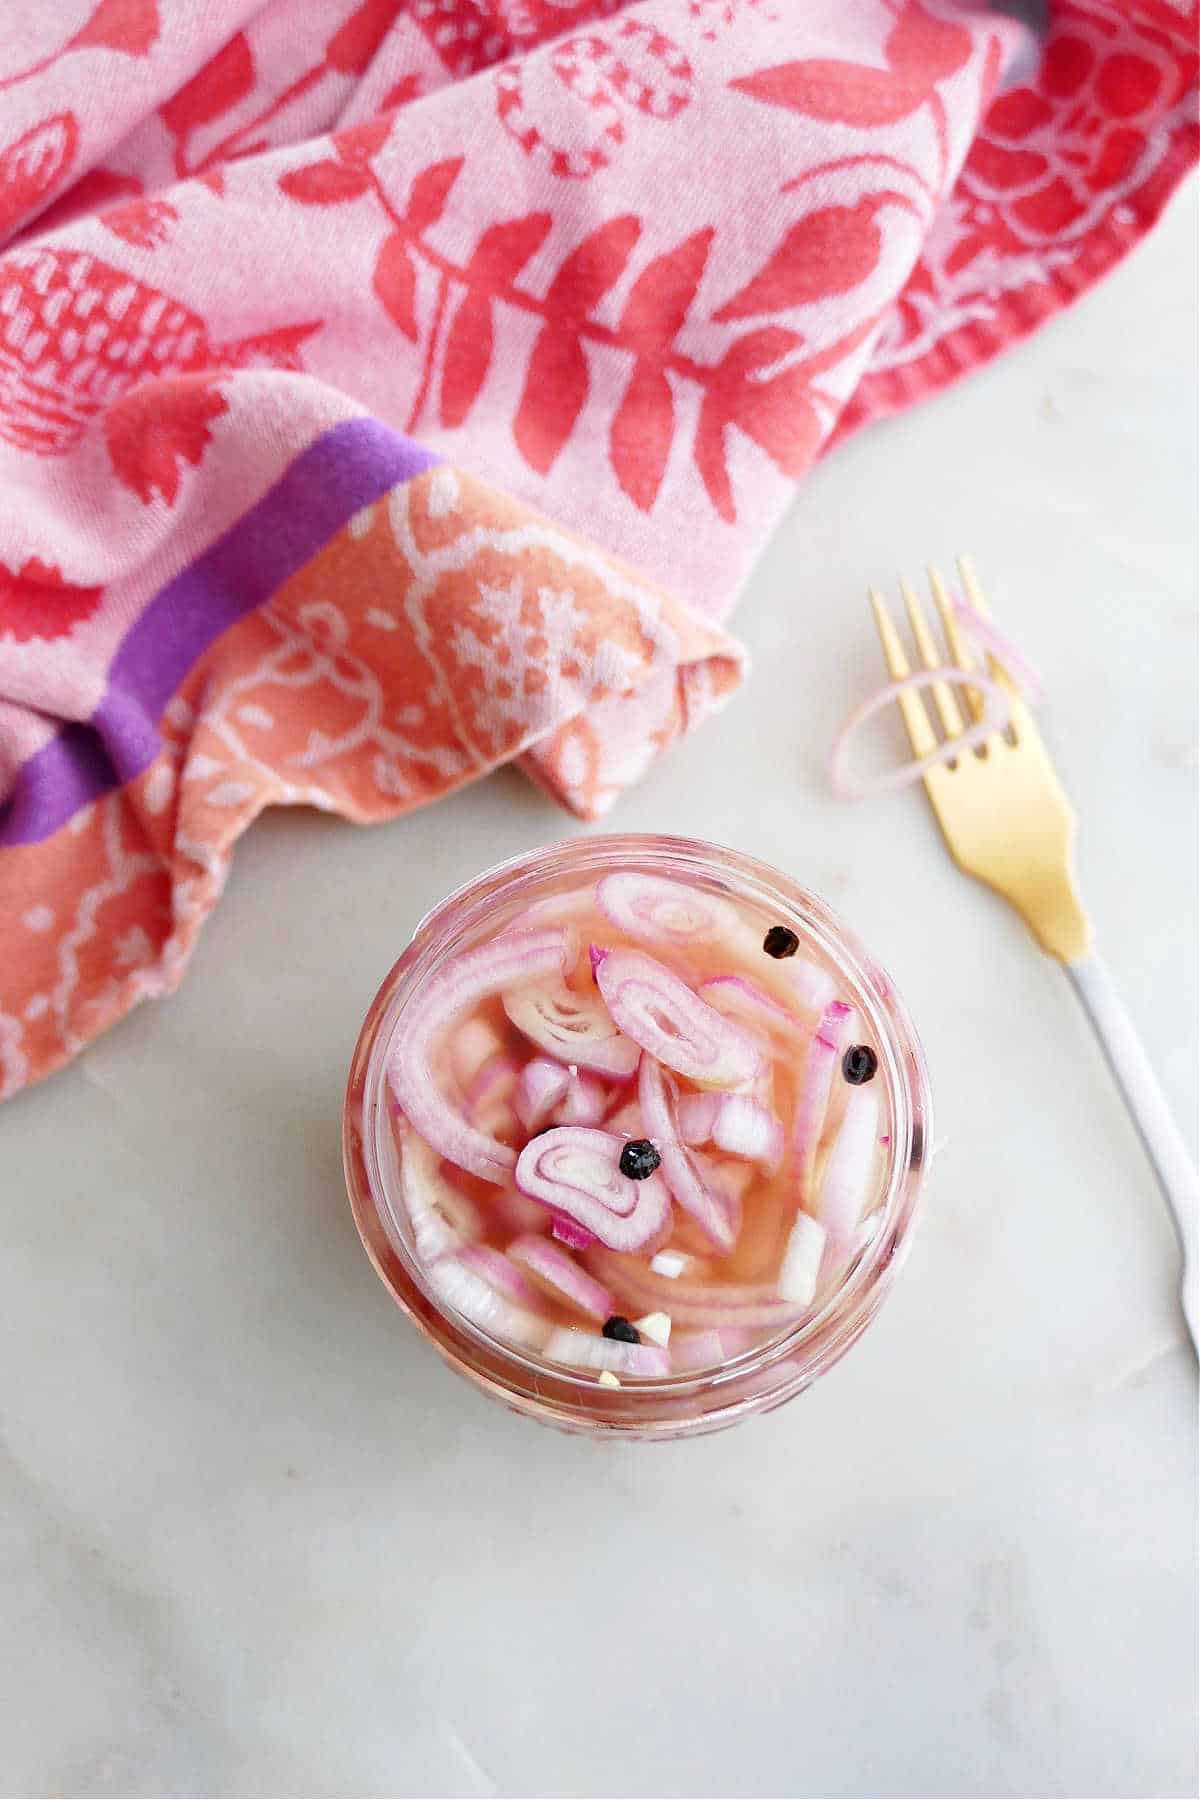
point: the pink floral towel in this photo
(390, 389)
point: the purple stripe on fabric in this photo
(349, 467)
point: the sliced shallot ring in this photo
(842, 1192)
(585, 1350)
(499, 1273)
(997, 714)
(559, 1275)
(463, 982)
(467, 1292)
(679, 1171)
(824, 1054)
(692, 1303)
(426, 1194)
(573, 1027)
(740, 998)
(666, 1017)
(656, 910)
(575, 1170)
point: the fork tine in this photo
(912, 710)
(943, 697)
(1020, 717)
(959, 650)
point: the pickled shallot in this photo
(609, 1117)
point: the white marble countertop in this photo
(256, 1540)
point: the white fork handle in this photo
(1149, 1111)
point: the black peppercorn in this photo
(621, 1330)
(639, 1158)
(859, 1064)
(779, 941)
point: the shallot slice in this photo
(575, 1028)
(687, 1189)
(575, 1170)
(560, 1276)
(441, 1218)
(584, 1103)
(844, 1180)
(656, 1326)
(499, 1273)
(583, 1350)
(518, 957)
(801, 1264)
(574, 1236)
(824, 1054)
(658, 911)
(542, 1084)
(735, 1123)
(740, 998)
(467, 1292)
(692, 1303)
(663, 1014)
(494, 1084)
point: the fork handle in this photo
(1150, 1113)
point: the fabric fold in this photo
(389, 390)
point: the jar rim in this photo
(521, 1377)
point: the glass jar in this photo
(688, 1403)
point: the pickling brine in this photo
(637, 1128)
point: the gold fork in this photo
(1007, 821)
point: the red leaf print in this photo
(758, 349)
(150, 430)
(430, 192)
(145, 223)
(640, 441)
(838, 93)
(468, 355)
(33, 164)
(709, 451)
(37, 603)
(593, 267)
(920, 52)
(357, 38)
(325, 183)
(395, 282)
(503, 250)
(129, 25)
(662, 295)
(224, 79)
(359, 143)
(780, 417)
(556, 387)
(929, 49)
(829, 251)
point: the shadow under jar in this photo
(634, 1133)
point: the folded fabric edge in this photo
(110, 899)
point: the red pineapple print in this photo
(76, 334)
